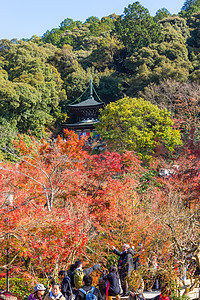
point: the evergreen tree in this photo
(161, 14)
(188, 4)
(190, 7)
(136, 28)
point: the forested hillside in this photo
(135, 54)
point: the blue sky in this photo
(25, 18)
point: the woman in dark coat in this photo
(113, 283)
(125, 265)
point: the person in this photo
(71, 270)
(113, 287)
(135, 255)
(136, 286)
(165, 293)
(78, 274)
(70, 274)
(51, 281)
(66, 288)
(153, 271)
(55, 293)
(39, 291)
(87, 288)
(125, 265)
(5, 295)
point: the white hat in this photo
(39, 287)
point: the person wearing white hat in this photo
(39, 291)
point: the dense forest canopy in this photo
(123, 53)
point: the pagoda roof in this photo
(90, 102)
(85, 124)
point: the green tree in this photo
(52, 36)
(194, 40)
(65, 61)
(136, 28)
(98, 27)
(110, 86)
(105, 53)
(188, 4)
(168, 59)
(58, 36)
(161, 14)
(69, 24)
(73, 33)
(181, 31)
(31, 88)
(92, 19)
(190, 7)
(137, 125)
(152, 64)
(8, 133)
(77, 82)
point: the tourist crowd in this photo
(121, 281)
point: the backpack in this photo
(78, 278)
(89, 294)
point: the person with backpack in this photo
(70, 274)
(39, 291)
(79, 273)
(112, 283)
(88, 292)
(55, 293)
(71, 269)
(66, 288)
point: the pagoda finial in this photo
(91, 97)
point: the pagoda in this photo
(87, 111)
